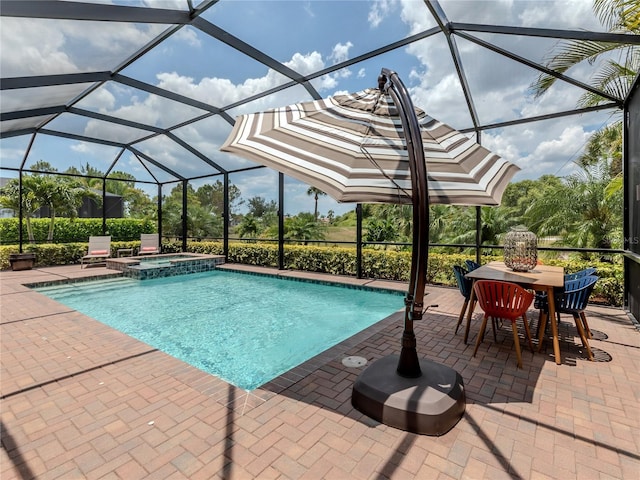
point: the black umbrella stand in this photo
(405, 392)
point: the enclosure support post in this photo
(280, 221)
(185, 185)
(358, 240)
(478, 233)
(104, 206)
(225, 218)
(159, 208)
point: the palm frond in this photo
(618, 15)
(613, 79)
(568, 55)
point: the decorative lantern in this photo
(520, 249)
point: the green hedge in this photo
(388, 265)
(68, 230)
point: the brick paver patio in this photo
(81, 400)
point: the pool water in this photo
(245, 329)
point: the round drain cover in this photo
(354, 361)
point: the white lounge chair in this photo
(99, 250)
(149, 244)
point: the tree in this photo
(64, 197)
(10, 198)
(496, 222)
(259, 207)
(316, 192)
(303, 227)
(604, 144)
(331, 215)
(438, 222)
(60, 195)
(212, 196)
(201, 221)
(582, 209)
(614, 77)
(248, 226)
(264, 214)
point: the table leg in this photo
(472, 306)
(554, 325)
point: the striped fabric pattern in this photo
(352, 147)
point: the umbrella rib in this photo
(372, 160)
(384, 174)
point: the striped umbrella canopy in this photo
(353, 148)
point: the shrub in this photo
(67, 230)
(387, 265)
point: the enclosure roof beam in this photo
(93, 12)
(154, 162)
(53, 80)
(548, 33)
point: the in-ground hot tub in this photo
(164, 265)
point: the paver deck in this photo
(81, 400)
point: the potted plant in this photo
(22, 261)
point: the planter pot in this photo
(22, 261)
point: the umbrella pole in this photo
(409, 364)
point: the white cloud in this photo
(189, 36)
(539, 148)
(32, 48)
(82, 147)
(380, 9)
(340, 52)
(36, 46)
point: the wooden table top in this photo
(541, 276)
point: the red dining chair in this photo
(506, 301)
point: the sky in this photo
(307, 36)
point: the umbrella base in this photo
(431, 404)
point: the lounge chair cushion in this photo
(98, 252)
(149, 249)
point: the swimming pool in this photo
(245, 329)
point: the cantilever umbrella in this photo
(374, 146)
(353, 148)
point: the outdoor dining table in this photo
(543, 278)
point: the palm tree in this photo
(61, 196)
(316, 192)
(303, 227)
(495, 222)
(64, 197)
(604, 144)
(248, 227)
(614, 78)
(582, 210)
(10, 198)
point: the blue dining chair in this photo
(580, 274)
(471, 265)
(464, 285)
(541, 303)
(574, 301)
